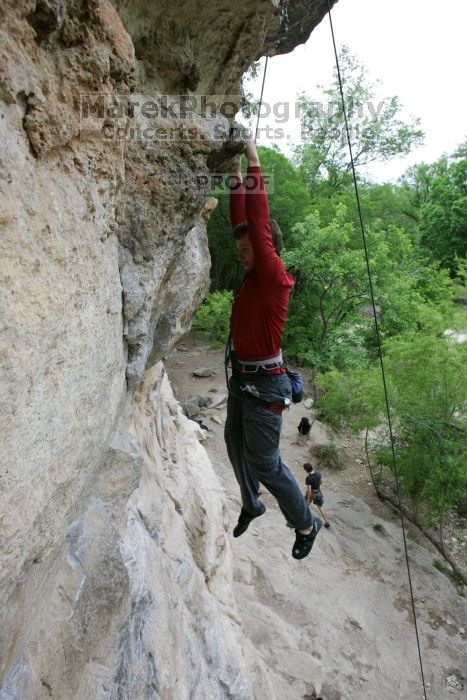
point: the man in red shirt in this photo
(259, 389)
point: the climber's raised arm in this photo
(237, 195)
(251, 152)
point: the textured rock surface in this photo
(110, 566)
(135, 600)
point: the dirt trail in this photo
(339, 621)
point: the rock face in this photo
(134, 600)
(114, 568)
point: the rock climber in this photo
(259, 388)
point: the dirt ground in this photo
(338, 624)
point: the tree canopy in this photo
(440, 191)
(377, 129)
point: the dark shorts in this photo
(318, 499)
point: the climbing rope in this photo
(261, 97)
(378, 338)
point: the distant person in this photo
(304, 426)
(313, 491)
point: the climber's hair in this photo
(276, 235)
(308, 467)
(241, 230)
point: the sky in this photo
(415, 47)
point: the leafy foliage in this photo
(328, 456)
(377, 131)
(351, 399)
(212, 318)
(380, 203)
(330, 317)
(441, 192)
(427, 387)
(331, 283)
(250, 105)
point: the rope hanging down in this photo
(378, 338)
(261, 97)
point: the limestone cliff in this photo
(115, 573)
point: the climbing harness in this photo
(378, 338)
(256, 366)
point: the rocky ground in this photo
(338, 624)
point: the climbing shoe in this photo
(304, 543)
(245, 519)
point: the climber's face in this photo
(245, 255)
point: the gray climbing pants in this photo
(252, 434)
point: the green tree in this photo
(427, 387)
(289, 200)
(381, 204)
(250, 104)
(440, 190)
(224, 269)
(212, 319)
(330, 320)
(331, 285)
(377, 130)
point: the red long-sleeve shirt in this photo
(260, 307)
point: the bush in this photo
(379, 529)
(452, 575)
(213, 318)
(427, 390)
(328, 456)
